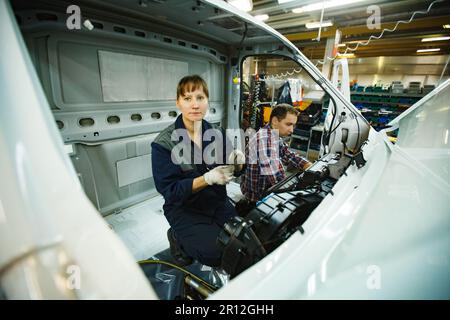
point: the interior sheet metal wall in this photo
(111, 139)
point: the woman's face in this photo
(193, 105)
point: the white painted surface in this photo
(142, 228)
(44, 205)
(384, 233)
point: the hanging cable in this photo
(321, 20)
(283, 75)
(244, 35)
(443, 70)
(365, 43)
(151, 261)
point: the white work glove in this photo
(219, 175)
(236, 157)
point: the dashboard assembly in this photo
(282, 212)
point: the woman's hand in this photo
(219, 175)
(237, 158)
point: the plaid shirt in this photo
(266, 153)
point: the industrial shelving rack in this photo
(379, 108)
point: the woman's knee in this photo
(202, 246)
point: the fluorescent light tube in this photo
(262, 17)
(244, 5)
(347, 55)
(428, 50)
(316, 25)
(435, 39)
(327, 4)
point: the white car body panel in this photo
(383, 234)
(46, 222)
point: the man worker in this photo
(266, 153)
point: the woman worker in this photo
(193, 186)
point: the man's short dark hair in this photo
(281, 110)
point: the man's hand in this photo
(219, 175)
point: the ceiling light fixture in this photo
(284, 1)
(347, 55)
(446, 26)
(435, 39)
(244, 5)
(428, 50)
(262, 17)
(316, 25)
(326, 5)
